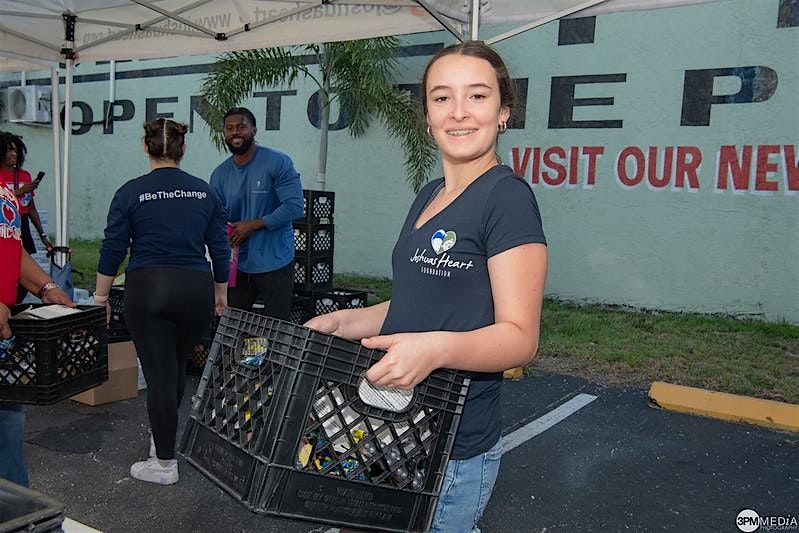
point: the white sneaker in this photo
(156, 470)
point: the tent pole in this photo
(67, 138)
(112, 72)
(441, 19)
(55, 116)
(474, 21)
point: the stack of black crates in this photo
(314, 293)
(280, 422)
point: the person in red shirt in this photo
(12, 157)
(17, 268)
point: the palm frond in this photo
(364, 71)
(359, 74)
(236, 74)
(401, 119)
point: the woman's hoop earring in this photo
(428, 131)
(502, 127)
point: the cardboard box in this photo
(123, 370)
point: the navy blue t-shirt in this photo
(166, 217)
(441, 279)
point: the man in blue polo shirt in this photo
(262, 195)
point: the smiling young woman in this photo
(468, 273)
(465, 112)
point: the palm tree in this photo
(359, 74)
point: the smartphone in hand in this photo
(39, 178)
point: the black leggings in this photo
(167, 311)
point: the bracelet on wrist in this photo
(46, 287)
(100, 298)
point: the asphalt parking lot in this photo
(581, 457)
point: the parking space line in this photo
(543, 423)
(73, 526)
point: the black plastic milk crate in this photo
(338, 298)
(313, 240)
(301, 308)
(200, 351)
(51, 360)
(22, 509)
(313, 273)
(117, 329)
(279, 423)
(317, 207)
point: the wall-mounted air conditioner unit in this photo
(28, 103)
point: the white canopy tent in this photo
(40, 34)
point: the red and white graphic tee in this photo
(23, 177)
(10, 246)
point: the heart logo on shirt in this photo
(443, 240)
(8, 213)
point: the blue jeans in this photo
(12, 443)
(464, 495)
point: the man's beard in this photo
(245, 145)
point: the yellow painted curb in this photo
(516, 372)
(725, 406)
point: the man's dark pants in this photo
(275, 290)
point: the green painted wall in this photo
(703, 236)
